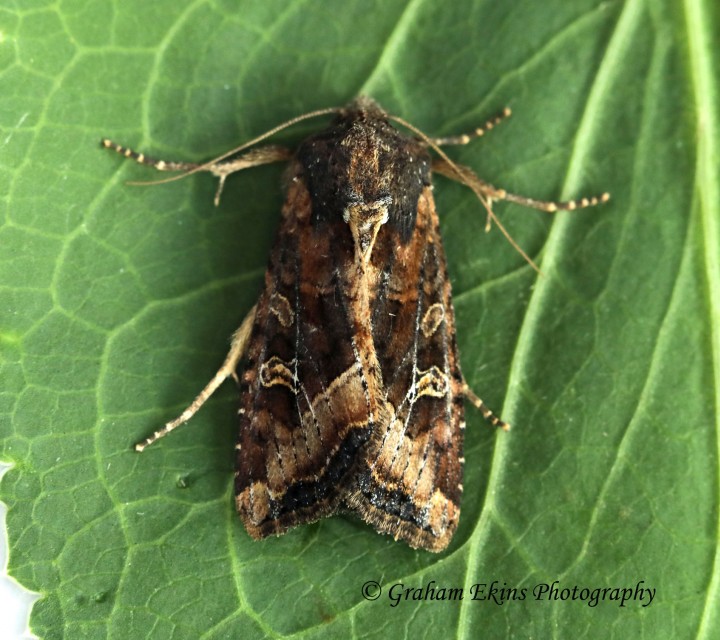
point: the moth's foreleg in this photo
(237, 350)
(219, 168)
(467, 176)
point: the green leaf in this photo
(118, 302)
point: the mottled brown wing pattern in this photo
(409, 481)
(304, 394)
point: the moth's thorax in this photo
(364, 171)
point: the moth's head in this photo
(363, 107)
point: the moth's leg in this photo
(476, 133)
(237, 350)
(222, 169)
(484, 409)
(467, 176)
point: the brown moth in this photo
(351, 396)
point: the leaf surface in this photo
(118, 303)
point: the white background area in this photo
(15, 601)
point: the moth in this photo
(351, 393)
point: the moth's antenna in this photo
(204, 166)
(486, 202)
